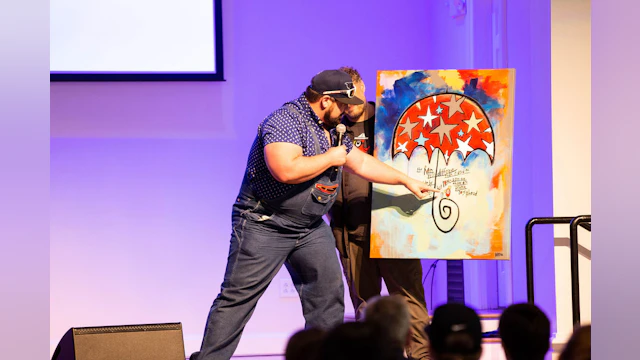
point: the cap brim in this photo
(351, 101)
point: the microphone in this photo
(340, 129)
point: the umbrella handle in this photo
(447, 213)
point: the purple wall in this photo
(529, 52)
(143, 174)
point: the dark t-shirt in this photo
(352, 209)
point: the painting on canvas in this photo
(452, 129)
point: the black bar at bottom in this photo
(529, 247)
(575, 278)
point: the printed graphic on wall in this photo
(452, 129)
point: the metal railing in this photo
(585, 222)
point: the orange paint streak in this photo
(410, 240)
(492, 88)
(491, 84)
(495, 181)
(497, 237)
(467, 75)
(376, 245)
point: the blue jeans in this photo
(261, 242)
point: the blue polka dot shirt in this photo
(286, 125)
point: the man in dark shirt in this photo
(292, 177)
(350, 222)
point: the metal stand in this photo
(574, 222)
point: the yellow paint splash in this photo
(452, 78)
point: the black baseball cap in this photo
(337, 84)
(451, 319)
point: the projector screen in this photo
(135, 40)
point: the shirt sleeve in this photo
(281, 127)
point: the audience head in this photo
(305, 345)
(391, 315)
(579, 345)
(357, 341)
(525, 332)
(455, 332)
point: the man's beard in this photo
(329, 121)
(354, 116)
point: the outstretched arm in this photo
(373, 170)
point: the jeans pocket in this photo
(257, 213)
(318, 202)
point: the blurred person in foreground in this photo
(391, 315)
(579, 345)
(525, 332)
(455, 333)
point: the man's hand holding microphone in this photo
(338, 154)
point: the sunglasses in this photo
(350, 91)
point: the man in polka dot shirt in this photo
(292, 178)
